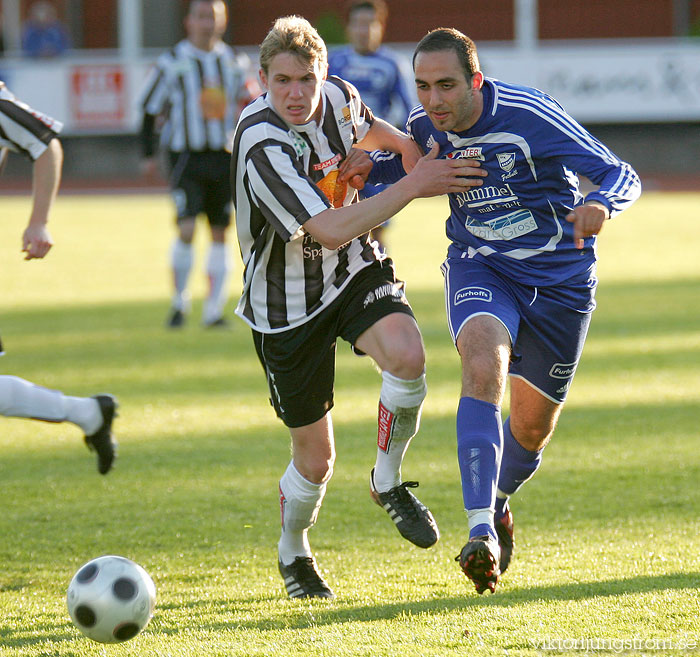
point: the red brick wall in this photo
(483, 20)
(591, 19)
(100, 24)
(409, 20)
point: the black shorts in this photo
(300, 362)
(200, 182)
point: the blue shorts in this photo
(547, 325)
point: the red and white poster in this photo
(97, 96)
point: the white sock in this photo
(477, 517)
(20, 398)
(181, 262)
(300, 501)
(400, 404)
(218, 270)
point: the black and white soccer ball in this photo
(111, 599)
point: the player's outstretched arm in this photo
(355, 168)
(36, 240)
(430, 177)
(383, 136)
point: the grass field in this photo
(607, 557)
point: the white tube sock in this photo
(218, 271)
(181, 258)
(20, 398)
(400, 404)
(300, 502)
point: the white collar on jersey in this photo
(201, 54)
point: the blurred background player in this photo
(44, 35)
(379, 74)
(198, 88)
(34, 135)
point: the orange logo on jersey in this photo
(335, 191)
(346, 116)
(213, 103)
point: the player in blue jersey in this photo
(520, 270)
(378, 73)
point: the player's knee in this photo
(533, 424)
(406, 359)
(321, 472)
(483, 377)
(218, 235)
(483, 344)
(186, 230)
(533, 436)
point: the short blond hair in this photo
(296, 35)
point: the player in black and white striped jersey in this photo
(312, 275)
(35, 135)
(322, 273)
(197, 89)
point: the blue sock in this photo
(501, 506)
(479, 447)
(517, 466)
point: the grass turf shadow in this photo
(332, 612)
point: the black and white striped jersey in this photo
(23, 129)
(288, 277)
(200, 95)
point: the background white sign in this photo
(596, 82)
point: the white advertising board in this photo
(88, 95)
(596, 81)
(602, 83)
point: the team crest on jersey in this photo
(471, 153)
(299, 143)
(507, 161)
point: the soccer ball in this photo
(111, 599)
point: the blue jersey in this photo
(532, 150)
(379, 78)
